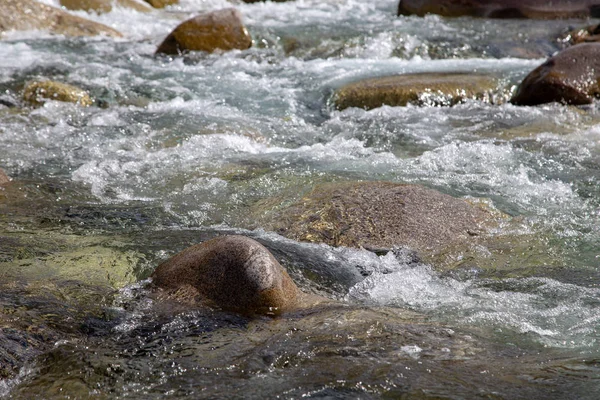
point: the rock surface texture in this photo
(3, 177)
(103, 6)
(161, 3)
(218, 30)
(569, 77)
(533, 9)
(232, 272)
(38, 92)
(22, 15)
(420, 88)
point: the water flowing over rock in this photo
(161, 3)
(234, 272)
(218, 30)
(3, 177)
(570, 77)
(584, 35)
(419, 88)
(103, 6)
(533, 9)
(21, 15)
(38, 92)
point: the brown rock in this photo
(102, 6)
(584, 35)
(38, 92)
(218, 30)
(161, 3)
(232, 272)
(3, 177)
(377, 215)
(23, 15)
(569, 77)
(422, 88)
(534, 9)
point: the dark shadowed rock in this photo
(232, 272)
(38, 92)
(3, 177)
(21, 15)
(161, 3)
(103, 6)
(534, 9)
(570, 77)
(444, 88)
(218, 30)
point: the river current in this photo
(178, 150)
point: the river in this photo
(178, 150)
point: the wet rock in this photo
(161, 3)
(376, 215)
(102, 6)
(38, 92)
(218, 30)
(232, 272)
(583, 35)
(533, 9)
(21, 15)
(3, 177)
(569, 77)
(421, 88)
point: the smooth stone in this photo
(103, 6)
(161, 3)
(231, 272)
(420, 88)
(3, 177)
(217, 30)
(569, 77)
(22, 15)
(532, 9)
(38, 92)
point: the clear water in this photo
(183, 149)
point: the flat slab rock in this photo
(377, 215)
(441, 89)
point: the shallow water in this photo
(177, 151)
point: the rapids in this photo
(179, 150)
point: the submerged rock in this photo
(569, 77)
(420, 88)
(3, 177)
(533, 9)
(21, 15)
(583, 35)
(103, 6)
(232, 272)
(161, 3)
(217, 30)
(38, 92)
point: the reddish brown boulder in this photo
(534, 9)
(569, 77)
(218, 30)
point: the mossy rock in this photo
(21, 15)
(161, 3)
(103, 6)
(218, 30)
(531, 9)
(421, 88)
(569, 77)
(38, 92)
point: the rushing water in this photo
(180, 150)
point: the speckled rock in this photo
(3, 177)
(232, 272)
(218, 30)
(103, 6)
(21, 15)
(533, 9)
(161, 3)
(420, 88)
(378, 215)
(38, 92)
(569, 77)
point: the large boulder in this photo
(3, 177)
(534, 9)
(38, 92)
(442, 88)
(21, 15)
(103, 6)
(232, 272)
(569, 77)
(218, 30)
